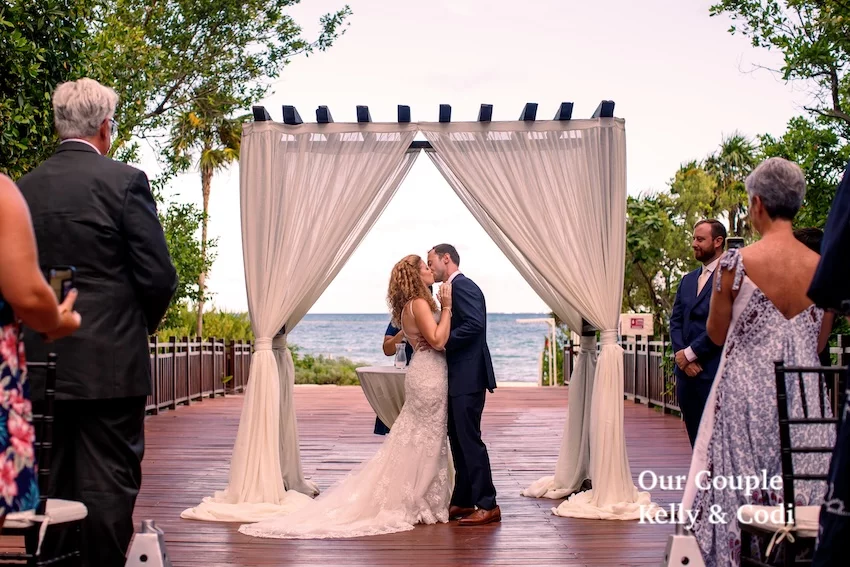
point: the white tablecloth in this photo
(384, 388)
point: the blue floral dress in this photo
(18, 480)
(739, 431)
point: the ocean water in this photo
(515, 347)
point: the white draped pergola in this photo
(551, 194)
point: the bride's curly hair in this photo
(405, 285)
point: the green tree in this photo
(730, 165)
(42, 43)
(812, 37)
(205, 136)
(165, 56)
(184, 68)
(181, 223)
(695, 193)
(657, 254)
(822, 154)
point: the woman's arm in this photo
(720, 312)
(21, 282)
(390, 341)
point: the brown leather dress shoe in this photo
(457, 512)
(481, 517)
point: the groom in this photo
(470, 374)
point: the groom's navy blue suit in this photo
(688, 329)
(470, 376)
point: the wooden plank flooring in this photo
(188, 452)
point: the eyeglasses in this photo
(113, 126)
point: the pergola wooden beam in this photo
(604, 110)
(363, 114)
(485, 114)
(565, 111)
(529, 112)
(261, 114)
(323, 115)
(291, 116)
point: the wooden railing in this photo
(648, 369)
(188, 370)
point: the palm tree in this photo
(730, 165)
(208, 135)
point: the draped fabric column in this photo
(556, 191)
(309, 195)
(573, 466)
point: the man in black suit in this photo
(697, 357)
(470, 375)
(99, 216)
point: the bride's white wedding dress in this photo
(405, 483)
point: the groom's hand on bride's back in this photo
(422, 344)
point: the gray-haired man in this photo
(98, 215)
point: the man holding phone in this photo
(97, 230)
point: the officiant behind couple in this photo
(407, 481)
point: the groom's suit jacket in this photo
(467, 356)
(688, 324)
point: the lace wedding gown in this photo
(404, 484)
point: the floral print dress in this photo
(739, 431)
(18, 480)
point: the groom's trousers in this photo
(473, 478)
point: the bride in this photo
(407, 480)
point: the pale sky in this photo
(678, 79)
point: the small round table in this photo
(384, 389)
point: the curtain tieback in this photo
(608, 337)
(588, 344)
(262, 344)
(279, 342)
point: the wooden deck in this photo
(188, 451)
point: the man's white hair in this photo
(80, 107)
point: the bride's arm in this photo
(436, 334)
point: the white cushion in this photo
(805, 518)
(58, 511)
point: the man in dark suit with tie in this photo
(470, 376)
(99, 216)
(697, 358)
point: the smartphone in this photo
(734, 242)
(62, 279)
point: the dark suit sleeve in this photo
(704, 347)
(676, 321)
(468, 300)
(152, 271)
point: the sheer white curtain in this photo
(573, 466)
(574, 456)
(309, 194)
(557, 192)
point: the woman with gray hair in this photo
(760, 310)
